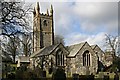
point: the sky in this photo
(79, 21)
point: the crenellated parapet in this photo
(36, 11)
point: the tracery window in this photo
(86, 58)
(59, 58)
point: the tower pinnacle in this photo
(37, 7)
(47, 12)
(51, 10)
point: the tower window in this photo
(45, 23)
(86, 58)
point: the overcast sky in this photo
(78, 21)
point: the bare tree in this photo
(13, 15)
(59, 39)
(26, 42)
(13, 21)
(112, 43)
(11, 47)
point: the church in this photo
(81, 58)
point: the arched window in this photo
(86, 58)
(59, 58)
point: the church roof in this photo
(36, 53)
(93, 46)
(44, 51)
(73, 49)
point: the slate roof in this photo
(73, 49)
(36, 53)
(44, 51)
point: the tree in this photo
(17, 44)
(59, 39)
(26, 43)
(11, 47)
(112, 43)
(13, 15)
(14, 21)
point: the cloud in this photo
(88, 26)
(94, 14)
(91, 16)
(75, 38)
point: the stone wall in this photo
(77, 62)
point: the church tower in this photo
(43, 29)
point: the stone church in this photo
(80, 58)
